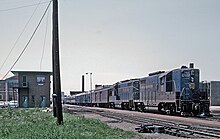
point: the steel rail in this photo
(171, 127)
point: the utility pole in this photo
(54, 93)
(56, 64)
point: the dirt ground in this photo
(128, 127)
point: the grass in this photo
(33, 124)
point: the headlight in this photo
(192, 79)
(192, 85)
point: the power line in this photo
(28, 40)
(13, 1)
(45, 37)
(19, 36)
(15, 8)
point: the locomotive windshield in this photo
(169, 82)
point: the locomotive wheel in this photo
(160, 107)
(139, 107)
(122, 106)
(172, 108)
(142, 107)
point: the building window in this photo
(40, 80)
(24, 81)
(1, 97)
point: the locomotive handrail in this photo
(181, 94)
(136, 88)
(196, 91)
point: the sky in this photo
(112, 39)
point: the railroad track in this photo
(170, 127)
(215, 117)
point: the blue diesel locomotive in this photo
(172, 92)
(175, 91)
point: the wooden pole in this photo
(54, 93)
(56, 62)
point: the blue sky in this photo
(115, 39)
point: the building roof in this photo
(16, 71)
(12, 78)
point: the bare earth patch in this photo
(128, 127)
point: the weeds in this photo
(33, 124)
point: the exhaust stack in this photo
(83, 83)
(191, 65)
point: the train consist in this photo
(172, 92)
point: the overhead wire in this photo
(45, 37)
(15, 8)
(13, 1)
(28, 40)
(20, 36)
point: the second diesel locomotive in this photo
(172, 92)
